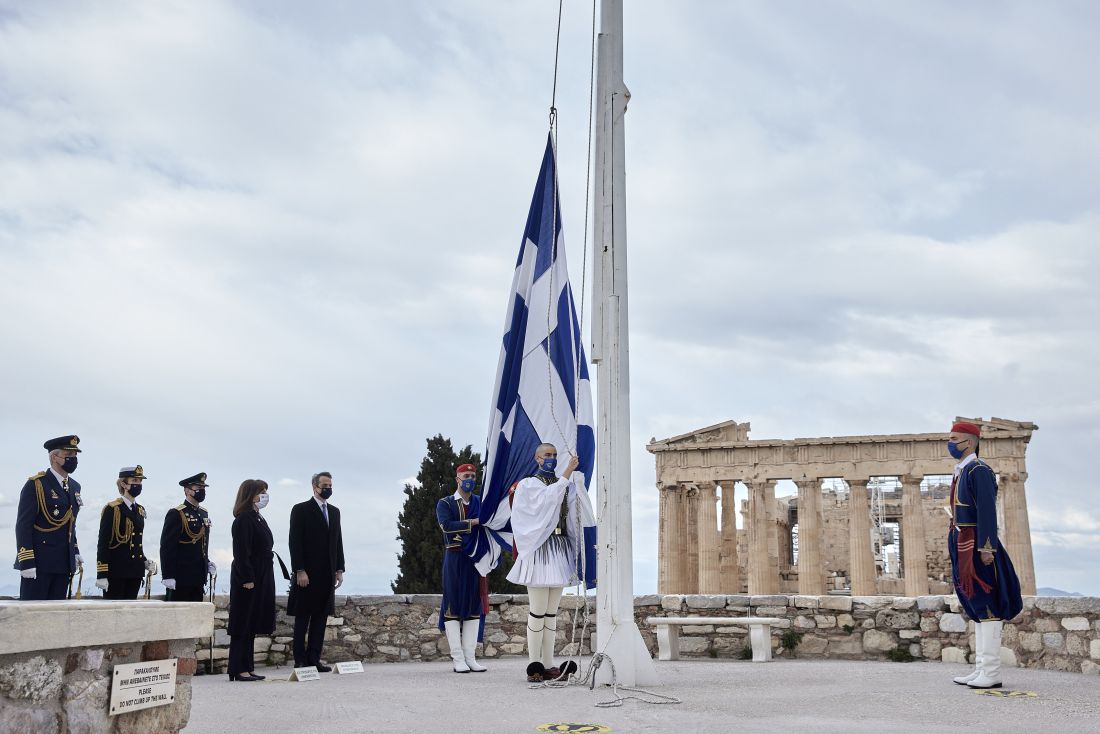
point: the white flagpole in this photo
(617, 634)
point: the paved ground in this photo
(717, 695)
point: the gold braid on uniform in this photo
(193, 538)
(54, 525)
(120, 536)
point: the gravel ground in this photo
(717, 695)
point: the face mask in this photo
(326, 493)
(69, 465)
(549, 465)
(200, 494)
(261, 501)
(135, 490)
(467, 485)
(954, 450)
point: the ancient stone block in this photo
(516, 613)
(672, 602)
(706, 601)
(931, 603)
(848, 645)
(806, 602)
(812, 645)
(35, 679)
(154, 650)
(1065, 604)
(768, 600)
(1008, 658)
(836, 603)
(1076, 645)
(39, 720)
(738, 601)
(650, 600)
(697, 629)
(1094, 649)
(1046, 624)
(870, 603)
(1053, 640)
(1075, 623)
(951, 622)
(1090, 668)
(845, 620)
(931, 649)
(1031, 641)
(953, 655)
(909, 634)
(185, 666)
(903, 603)
(878, 641)
(803, 623)
(771, 611)
(824, 621)
(693, 645)
(893, 619)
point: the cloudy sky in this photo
(260, 239)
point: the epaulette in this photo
(39, 475)
(203, 509)
(115, 502)
(182, 507)
(140, 509)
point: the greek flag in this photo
(542, 391)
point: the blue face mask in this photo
(467, 485)
(549, 464)
(954, 450)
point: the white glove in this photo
(79, 560)
(211, 568)
(151, 566)
(29, 573)
(101, 584)
(169, 584)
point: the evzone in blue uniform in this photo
(985, 581)
(47, 552)
(465, 591)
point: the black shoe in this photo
(242, 677)
(322, 668)
(256, 675)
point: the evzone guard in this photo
(465, 591)
(548, 516)
(985, 581)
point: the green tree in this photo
(420, 562)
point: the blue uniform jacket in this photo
(45, 525)
(452, 519)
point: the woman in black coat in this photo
(252, 581)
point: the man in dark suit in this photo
(317, 557)
(45, 525)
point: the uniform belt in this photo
(558, 531)
(454, 548)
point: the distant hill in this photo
(1047, 591)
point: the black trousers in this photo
(309, 654)
(122, 588)
(184, 593)
(47, 586)
(242, 649)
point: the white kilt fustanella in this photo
(552, 565)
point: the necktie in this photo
(324, 511)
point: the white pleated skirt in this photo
(550, 566)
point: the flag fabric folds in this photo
(542, 392)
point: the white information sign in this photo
(136, 686)
(353, 666)
(307, 673)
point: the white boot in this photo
(990, 676)
(453, 627)
(962, 680)
(549, 639)
(469, 644)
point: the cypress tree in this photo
(420, 563)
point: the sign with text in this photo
(307, 673)
(352, 666)
(136, 686)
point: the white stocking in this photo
(538, 599)
(550, 626)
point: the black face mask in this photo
(200, 494)
(69, 465)
(135, 490)
(326, 493)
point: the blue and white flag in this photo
(542, 393)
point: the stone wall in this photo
(1051, 633)
(57, 658)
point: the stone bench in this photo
(668, 633)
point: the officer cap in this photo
(63, 442)
(199, 479)
(131, 471)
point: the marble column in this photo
(913, 550)
(681, 574)
(760, 570)
(811, 563)
(861, 556)
(709, 579)
(773, 541)
(691, 578)
(1016, 534)
(666, 539)
(729, 573)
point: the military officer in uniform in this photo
(121, 561)
(184, 544)
(45, 524)
(985, 581)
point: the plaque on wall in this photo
(136, 686)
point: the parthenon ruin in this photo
(837, 534)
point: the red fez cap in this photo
(465, 468)
(964, 427)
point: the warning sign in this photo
(136, 686)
